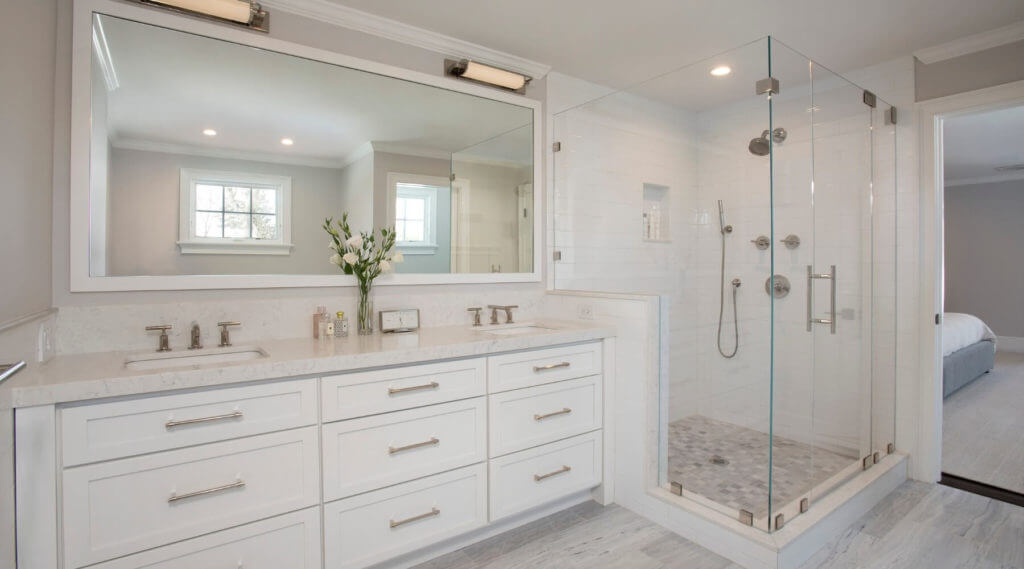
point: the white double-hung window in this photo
(234, 213)
(414, 202)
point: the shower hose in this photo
(721, 308)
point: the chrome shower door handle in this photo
(831, 277)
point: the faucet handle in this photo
(508, 313)
(476, 314)
(165, 345)
(225, 336)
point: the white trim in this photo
(409, 150)
(971, 44)
(15, 322)
(189, 244)
(206, 152)
(36, 486)
(80, 279)
(926, 442)
(1010, 344)
(993, 179)
(346, 17)
(102, 49)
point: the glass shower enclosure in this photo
(755, 193)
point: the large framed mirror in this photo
(205, 156)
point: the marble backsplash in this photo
(117, 327)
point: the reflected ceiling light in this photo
(486, 74)
(287, 141)
(209, 132)
(721, 71)
(240, 12)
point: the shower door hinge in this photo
(452, 177)
(556, 256)
(768, 85)
(890, 448)
(677, 488)
(938, 319)
(870, 99)
(556, 147)
(780, 520)
(868, 462)
(746, 517)
(875, 458)
(805, 504)
(890, 116)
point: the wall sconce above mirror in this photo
(206, 157)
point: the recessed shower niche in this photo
(656, 217)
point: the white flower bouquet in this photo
(364, 256)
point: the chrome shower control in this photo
(791, 241)
(777, 286)
(762, 242)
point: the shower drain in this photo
(719, 460)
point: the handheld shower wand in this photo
(721, 292)
(721, 219)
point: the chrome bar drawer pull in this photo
(431, 442)
(225, 417)
(563, 470)
(431, 385)
(177, 497)
(432, 513)
(564, 411)
(550, 366)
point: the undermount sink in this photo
(513, 329)
(162, 360)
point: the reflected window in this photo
(415, 213)
(230, 212)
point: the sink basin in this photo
(513, 329)
(163, 360)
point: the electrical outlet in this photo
(585, 311)
(46, 346)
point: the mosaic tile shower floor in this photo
(697, 443)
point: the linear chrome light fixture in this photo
(486, 74)
(247, 13)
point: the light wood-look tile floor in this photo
(919, 526)
(983, 426)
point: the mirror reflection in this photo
(212, 158)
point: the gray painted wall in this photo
(984, 254)
(996, 66)
(144, 203)
(27, 42)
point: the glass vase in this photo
(365, 315)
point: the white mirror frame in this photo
(81, 105)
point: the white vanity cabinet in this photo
(340, 471)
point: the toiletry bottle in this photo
(328, 328)
(318, 317)
(340, 325)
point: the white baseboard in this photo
(1009, 344)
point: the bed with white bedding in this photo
(968, 350)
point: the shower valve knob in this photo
(791, 241)
(762, 242)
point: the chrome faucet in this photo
(508, 312)
(164, 342)
(197, 340)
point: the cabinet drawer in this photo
(288, 541)
(380, 525)
(367, 393)
(373, 452)
(533, 477)
(537, 367)
(104, 431)
(534, 416)
(120, 507)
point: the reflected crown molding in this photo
(190, 150)
(365, 22)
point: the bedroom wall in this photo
(984, 257)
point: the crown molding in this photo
(222, 153)
(409, 150)
(981, 180)
(347, 17)
(971, 44)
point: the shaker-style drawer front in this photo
(533, 477)
(124, 506)
(534, 416)
(289, 541)
(373, 452)
(380, 391)
(105, 431)
(377, 526)
(537, 367)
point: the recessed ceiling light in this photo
(287, 141)
(721, 71)
(209, 132)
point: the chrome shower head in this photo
(761, 147)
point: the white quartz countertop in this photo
(82, 377)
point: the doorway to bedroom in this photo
(983, 321)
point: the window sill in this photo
(408, 249)
(234, 248)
